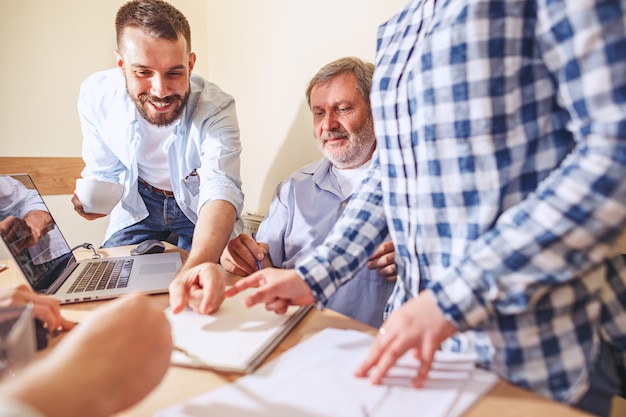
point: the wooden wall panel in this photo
(52, 175)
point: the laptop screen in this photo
(30, 233)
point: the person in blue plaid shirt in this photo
(501, 129)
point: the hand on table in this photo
(419, 325)
(241, 254)
(277, 289)
(201, 288)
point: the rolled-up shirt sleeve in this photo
(220, 177)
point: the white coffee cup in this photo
(98, 196)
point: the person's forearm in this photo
(215, 224)
(34, 388)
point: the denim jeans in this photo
(164, 222)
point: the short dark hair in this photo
(157, 18)
(364, 71)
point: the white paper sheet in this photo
(235, 339)
(315, 379)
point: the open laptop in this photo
(49, 264)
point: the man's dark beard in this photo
(162, 119)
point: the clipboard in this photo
(235, 339)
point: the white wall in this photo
(48, 48)
(262, 52)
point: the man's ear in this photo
(119, 61)
(192, 61)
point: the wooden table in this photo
(180, 384)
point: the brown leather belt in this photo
(156, 190)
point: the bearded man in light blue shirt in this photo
(170, 137)
(308, 203)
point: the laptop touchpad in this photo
(151, 269)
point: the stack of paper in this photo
(315, 379)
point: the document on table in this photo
(235, 339)
(315, 379)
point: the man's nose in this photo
(330, 122)
(159, 86)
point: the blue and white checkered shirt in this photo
(500, 172)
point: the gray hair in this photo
(363, 71)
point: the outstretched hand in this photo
(276, 288)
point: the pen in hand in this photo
(258, 263)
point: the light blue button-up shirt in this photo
(304, 209)
(205, 141)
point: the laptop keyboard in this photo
(103, 275)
